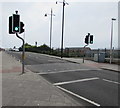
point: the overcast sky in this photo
(81, 18)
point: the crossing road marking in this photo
(69, 82)
(68, 71)
(111, 81)
(52, 60)
(78, 96)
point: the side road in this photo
(29, 89)
(89, 63)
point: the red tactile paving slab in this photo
(14, 69)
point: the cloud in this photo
(59, 0)
(80, 18)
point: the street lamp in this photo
(113, 19)
(50, 26)
(64, 3)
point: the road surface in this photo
(89, 86)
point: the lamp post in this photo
(64, 3)
(50, 26)
(113, 19)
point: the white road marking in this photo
(52, 60)
(111, 81)
(74, 81)
(68, 71)
(78, 96)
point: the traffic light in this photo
(21, 27)
(91, 39)
(16, 23)
(87, 39)
(10, 25)
(15, 26)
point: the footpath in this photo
(28, 89)
(89, 63)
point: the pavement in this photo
(89, 63)
(29, 89)
(106, 66)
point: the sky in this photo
(81, 18)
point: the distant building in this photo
(76, 51)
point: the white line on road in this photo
(111, 81)
(69, 82)
(52, 60)
(68, 71)
(78, 96)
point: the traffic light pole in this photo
(62, 30)
(84, 53)
(23, 53)
(88, 40)
(15, 27)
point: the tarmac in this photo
(30, 89)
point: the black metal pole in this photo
(23, 53)
(50, 30)
(62, 30)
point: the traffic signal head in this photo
(87, 39)
(10, 25)
(16, 23)
(91, 39)
(21, 27)
(45, 15)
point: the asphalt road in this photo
(92, 87)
